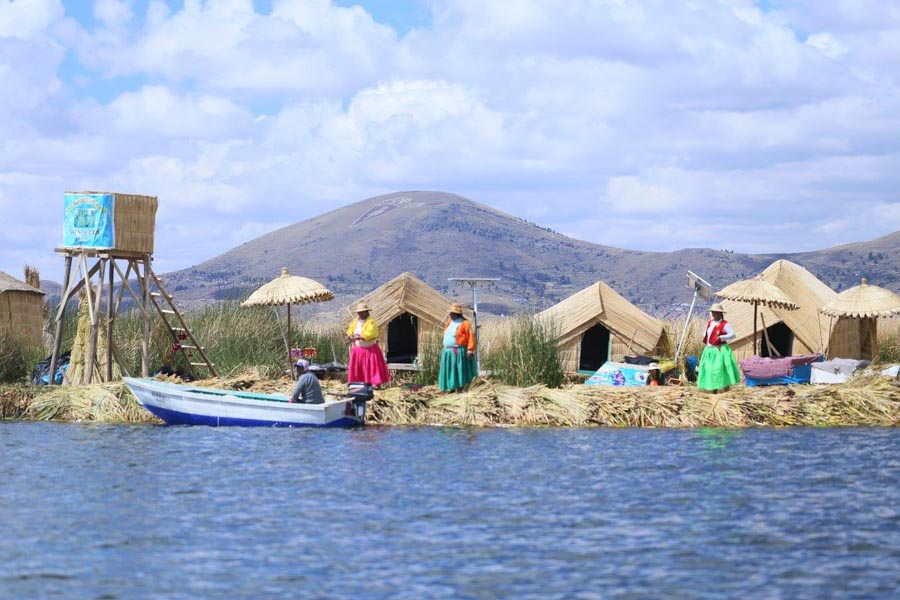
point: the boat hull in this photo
(190, 405)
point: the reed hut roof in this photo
(600, 304)
(800, 287)
(8, 283)
(289, 289)
(863, 301)
(405, 293)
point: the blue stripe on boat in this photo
(172, 417)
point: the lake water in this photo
(98, 511)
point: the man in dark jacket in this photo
(307, 390)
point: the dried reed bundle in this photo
(14, 401)
(102, 403)
(77, 370)
(864, 401)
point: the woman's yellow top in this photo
(369, 329)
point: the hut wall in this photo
(22, 317)
(618, 348)
(570, 355)
(847, 339)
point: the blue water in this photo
(93, 511)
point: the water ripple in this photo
(137, 511)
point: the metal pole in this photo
(475, 315)
(684, 331)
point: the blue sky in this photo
(769, 126)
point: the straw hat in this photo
(361, 307)
(456, 308)
(717, 307)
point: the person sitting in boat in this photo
(307, 390)
(367, 363)
(654, 377)
(718, 367)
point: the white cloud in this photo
(721, 124)
(113, 13)
(26, 19)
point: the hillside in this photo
(437, 235)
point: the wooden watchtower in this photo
(108, 238)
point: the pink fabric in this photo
(368, 365)
(758, 367)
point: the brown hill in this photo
(437, 235)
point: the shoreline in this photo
(863, 401)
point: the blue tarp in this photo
(88, 221)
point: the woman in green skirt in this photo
(718, 367)
(458, 365)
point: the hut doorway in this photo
(594, 348)
(782, 339)
(403, 339)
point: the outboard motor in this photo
(359, 393)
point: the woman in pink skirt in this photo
(366, 360)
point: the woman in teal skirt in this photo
(458, 365)
(718, 367)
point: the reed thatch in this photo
(134, 221)
(406, 294)
(864, 304)
(811, 332)
(757, 292)
(21, 312)
(76, 373)
(289, 289)
(864, 301)
(631, 329)
(872, 400)
(864, 400)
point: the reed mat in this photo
(863, 401)
(868, 400)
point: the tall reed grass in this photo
(234, 337)
(524, 354)
(17, 359)
(429, 359)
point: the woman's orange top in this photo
(464, 335)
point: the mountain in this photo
(437, 235)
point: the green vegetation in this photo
(429, 359)
(16, 359)
(234, 337)
(525, 355)
(889, 342)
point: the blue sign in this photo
(88, 221)
(613, 373)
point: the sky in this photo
(752, 126)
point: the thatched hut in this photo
(597, 324)
(21, 312)
(864, 305)
(405, 308)
(793, 332)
